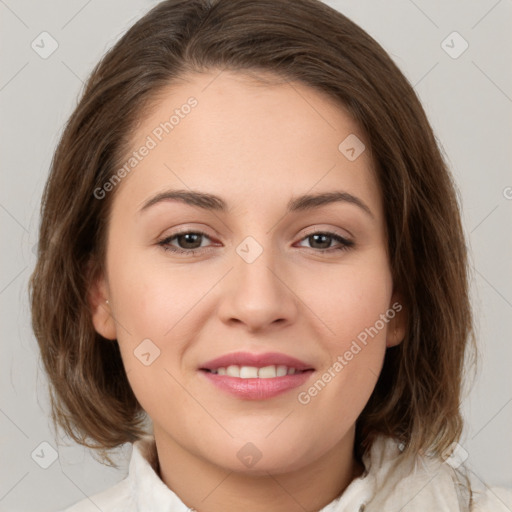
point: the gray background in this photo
(468, 100)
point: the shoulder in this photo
(425, 483)
(492, 499)
(141, 489)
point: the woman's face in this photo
(275, 274)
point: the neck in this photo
(207, 487)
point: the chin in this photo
(259, 458)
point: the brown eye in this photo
(187, 242)
(323, 240)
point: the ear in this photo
(101, 312)
(398, 322)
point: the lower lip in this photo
(257, 389)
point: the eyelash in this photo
(165, 243)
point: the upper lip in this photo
(257, 360)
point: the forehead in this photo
(245, 138)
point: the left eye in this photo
(325, 238)
(190, 241)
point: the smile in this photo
(256, 376)
(253, 372)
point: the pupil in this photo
(315, 237)
(191, 238)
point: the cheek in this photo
(152, 305)
(354, 302)
(163, 304)
(349, 301)
(150, 297)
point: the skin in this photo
(256, 146)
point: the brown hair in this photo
(416, 398)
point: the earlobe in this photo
(395, 336)
(398, 324)
(101, 312)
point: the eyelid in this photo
(316, 229)
(186, 229)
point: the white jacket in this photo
(390, 483)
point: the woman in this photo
(249, 236)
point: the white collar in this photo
(148, 490)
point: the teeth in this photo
(248, 372)
(252, 372)
(233, 371)
(281, 371)
(267, 372)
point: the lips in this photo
(256, 376)
(256, 360)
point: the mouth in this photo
(253, 372)
(256, 377)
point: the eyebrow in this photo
(215, 203)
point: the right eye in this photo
(187, 239)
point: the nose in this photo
(258, 294)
